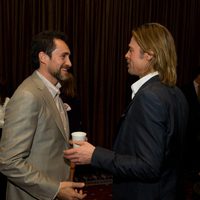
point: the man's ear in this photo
(43, 57)
(149, 55)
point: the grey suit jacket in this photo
(32, 144)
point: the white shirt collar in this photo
(136, 86)
(54, 90)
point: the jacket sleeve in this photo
(139, 149)
(21, 118)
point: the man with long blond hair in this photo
(147, 151)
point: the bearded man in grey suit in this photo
(35, 133)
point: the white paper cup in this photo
(78, 136)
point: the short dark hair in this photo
(44, 41)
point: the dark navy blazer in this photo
(146, 153)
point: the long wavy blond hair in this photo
(155, 39)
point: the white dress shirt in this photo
(55, 92)
(136, 86)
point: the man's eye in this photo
(130, 50)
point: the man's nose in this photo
(68, 62)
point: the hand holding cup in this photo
(78, 136)
(81, 155)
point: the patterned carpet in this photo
(99, 192)
(99, 184)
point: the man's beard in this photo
(59, 76)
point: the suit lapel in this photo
(49, 103)
(153, 79)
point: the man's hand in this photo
(69, 191)
(80, 155)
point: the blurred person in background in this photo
(191, 91)
(4, 99)
(72, 103)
